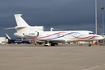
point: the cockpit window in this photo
(91, 33)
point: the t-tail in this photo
(21, 24)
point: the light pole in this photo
(103, 18)
(96, 16)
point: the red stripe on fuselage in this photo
(50, 35)
(83, 38)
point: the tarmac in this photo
(62, 57)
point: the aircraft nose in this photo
(99, 37)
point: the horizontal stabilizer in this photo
(18, 27)
(9, 28)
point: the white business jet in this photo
(51, 37)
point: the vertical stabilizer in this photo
(8, 36)
(20, 21)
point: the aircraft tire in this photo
(52, 44)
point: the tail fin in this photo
(8, 36)
(20, 21)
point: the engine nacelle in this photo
(33, 34)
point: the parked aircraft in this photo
(16, 41)
(51, 37)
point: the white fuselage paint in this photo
(62, 35)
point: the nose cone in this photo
(99, 37)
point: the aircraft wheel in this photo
(52, 44)
(45, 45)
(89, 45)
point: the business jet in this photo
(51, 37)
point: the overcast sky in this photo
(59, 14)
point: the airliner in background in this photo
(51, 37)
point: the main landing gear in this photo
(52, 44)
(89, 44)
